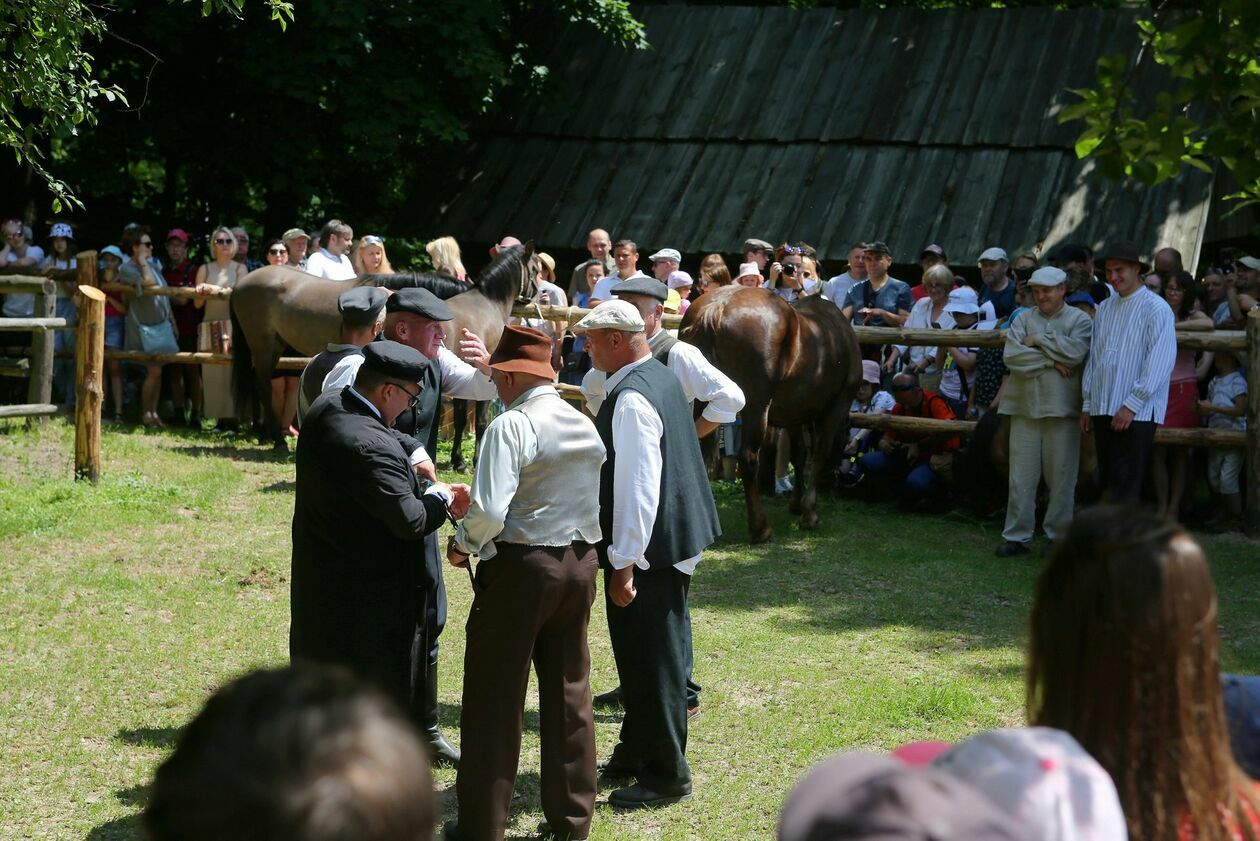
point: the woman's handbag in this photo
(157, 338)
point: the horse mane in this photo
(443, 286)
(499, 281)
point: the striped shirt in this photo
(1131, 357)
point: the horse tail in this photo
(701, 325)
(243, 385)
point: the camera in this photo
(1024, 272)
(789, 269)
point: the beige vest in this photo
(557, 500)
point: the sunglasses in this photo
(280, 252)
(371, 240)
(148, 243)
(223, 241)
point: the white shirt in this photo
(921, 317)
(837, 288)
(459, 380)
(446, 497)
(1131, 356)
(637, 429)
(1221, 392)
(22, 304)
(324, 263)
(344, 370)
(603, 288)
(699, 379)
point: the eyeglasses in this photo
(415, 398)
(224, 241)
(148, 243)
(279, 252)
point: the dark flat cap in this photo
(864, 796)
(394, 359)
(754, 244)
(878, 246)
(419, 302)
(361, 305)
(648, 286)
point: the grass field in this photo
(122, 606)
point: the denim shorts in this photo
(115, 331)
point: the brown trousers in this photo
(532, 603)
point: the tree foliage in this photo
(210, 110)
(1202, 60)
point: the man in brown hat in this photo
(534, 523)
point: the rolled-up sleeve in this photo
(462, 381)
(701, 380)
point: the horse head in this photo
(529, 273)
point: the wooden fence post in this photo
(89, 369)
(1252, 488)
(39, 390)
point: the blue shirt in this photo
(893, 296)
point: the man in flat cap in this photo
(416, 317)
(362, 314)
(358, 517)
(656, 516)
(1045, 351)
(534, 523)
(1125, 385)
(700, 380)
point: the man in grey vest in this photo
(534, 523)
(362, 314)
(700, 380)
(657, 516)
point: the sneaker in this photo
(1011, 548)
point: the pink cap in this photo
(179, 234)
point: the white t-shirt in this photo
(837, 289)
(324, 263)
(603, 289)
(22, 304)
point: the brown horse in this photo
(278, 306)
(799, 367)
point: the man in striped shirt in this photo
(1126, 378)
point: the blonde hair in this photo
(444, 251)
(222, 229)
(359, 268)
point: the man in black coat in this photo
(358, 519)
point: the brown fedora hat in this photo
(1126, 251)
(523, 350)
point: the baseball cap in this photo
(611, 315)
(63, 229)
(174, 233)
(1043, 779)
(877, 245)
(933, 249)
(666, 254)
(993, 254)
(962, 300)
(294, 233)
(112, 249)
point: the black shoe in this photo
(606, 700)
(615, 768)
(546, 832)
(646, 797)
(1011, 548)
(441, 751)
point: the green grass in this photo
(122, 606)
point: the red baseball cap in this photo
(179, 234)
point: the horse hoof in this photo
(809, 523)
(763, 536)
(459, 466)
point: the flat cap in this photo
(995, 254)
(294, 233)
(666, 254)
(421, 302)
(648, 286)
(1250, 262)
(613, 315)
(361, 305)
(394, 359)
(878, 246)
(754, 244)
(1047, 276)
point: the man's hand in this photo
(1086, 424)
(886, 445)
(474, 352)
(1030, 340)
(1120, 420)
(460, 505)
(455, 557)
(1064, 371)
(426, 470)
(705, 426)
(1203, 407)
(621, 588)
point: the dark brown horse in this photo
(799, 367)
(278, 306)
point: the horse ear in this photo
(529, 248)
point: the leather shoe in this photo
(616, 768)
(546, 833)
(605, 700)
(646, 797)
(1011, 548)
(442, 751)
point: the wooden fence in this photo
(88, 368)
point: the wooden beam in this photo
(1252, 473)
(286, 363)
(29, 325)
(168, 291)
(89, 367)
(29, 410)
(39, 389)
(11, 367)
(9, 285)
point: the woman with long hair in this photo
(1170, 465)
(223, 272)
(150, 321)
(444, 252)
(1124, 656)
(370, 257)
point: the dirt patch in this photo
(261, 577)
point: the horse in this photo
(275, 307)
(799, 367)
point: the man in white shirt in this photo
(331, 260)
(626, 255)
(657, 516)
(837, 288)
(534, 523)
(1125, 385)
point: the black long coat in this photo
(358, 522)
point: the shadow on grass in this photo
(149, 737)
(237, 453)
(286, 486)
(869, 566)
(119, 829)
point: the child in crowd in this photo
(870, 400)
(1226, 408)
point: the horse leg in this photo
(460, 411)
(481, 415)
(794, 440)
(751, 438)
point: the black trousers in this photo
(430, 620)
(651, 645)
(1122, 457)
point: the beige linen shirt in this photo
(1035, 388)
